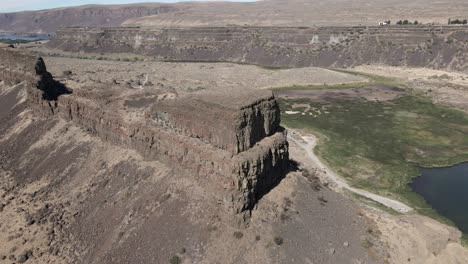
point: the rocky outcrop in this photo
(233, 124)
(186, 134)
(440, 47)
(235, 144)
(18, 67)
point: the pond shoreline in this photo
(443, 188)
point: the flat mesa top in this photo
(117, 98)
(235, 100)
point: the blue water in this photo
(446, 190)
(29, 38)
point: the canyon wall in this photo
(440, 47)
(234, 144)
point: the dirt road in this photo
(309, 142)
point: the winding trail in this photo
(309, 145)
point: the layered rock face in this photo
(234, 124)
(233, 143)
(441, 47)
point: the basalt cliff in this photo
(234, 144)
(439, 47)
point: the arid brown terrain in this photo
(262, 13)
(80, 183)
(152, 133)
(112, 173)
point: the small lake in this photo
(446, 190)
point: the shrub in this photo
(366, 243)
(238, 235)
(457, 22)
(175, 260)
(407, 22)
(322, 200)
(278, 240)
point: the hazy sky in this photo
(20, 5)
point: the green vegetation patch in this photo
(379, 145)
(464, 240)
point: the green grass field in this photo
(378, 146)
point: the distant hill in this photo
(310, 13)
(262, 13)
(48, 21)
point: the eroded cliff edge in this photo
(440, 47)
(232, 142)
